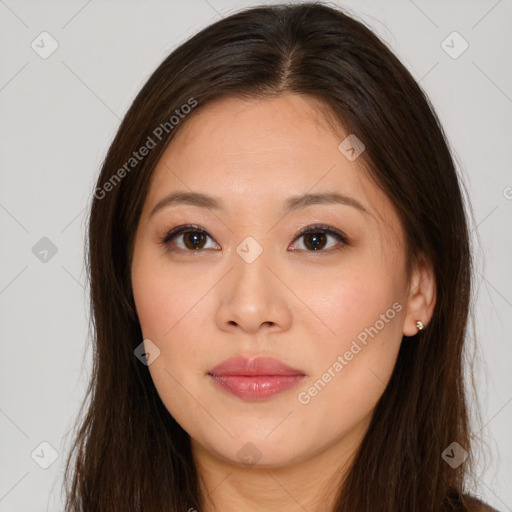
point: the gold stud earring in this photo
(419, 325)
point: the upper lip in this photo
(250, 366)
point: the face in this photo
(243, 281)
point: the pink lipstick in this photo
(257, 378)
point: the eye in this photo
(315, 239)
(193, 239)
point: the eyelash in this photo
(190, 228)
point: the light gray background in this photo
(57, 118)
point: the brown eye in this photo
(194, 240)
(317, 237)
(187, 239)
(315, 241)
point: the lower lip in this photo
(258, 387)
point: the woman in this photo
(280, 283)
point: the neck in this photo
(311, 484)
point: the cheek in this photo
(173, 320)
(162, 299)
(170, 312)
(352, 366)
(356, 300)
(170, 316)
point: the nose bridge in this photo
(251, 295)
(251, 277)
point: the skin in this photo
(300, 306)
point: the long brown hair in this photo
(129, 453)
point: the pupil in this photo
(317, 239)
(314, 241)
(195, 238)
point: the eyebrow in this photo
(291, 204)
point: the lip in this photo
(257, 378)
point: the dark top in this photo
(476, 505)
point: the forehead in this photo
(254, 152)
(279, 129)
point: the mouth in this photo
(258, 378)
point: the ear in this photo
(421, 299)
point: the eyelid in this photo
(180, 230)
(329, 230)
(185, 228)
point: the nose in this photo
(252, 298)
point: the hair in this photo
(129, 453)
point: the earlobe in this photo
(421, 299)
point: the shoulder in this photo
(475, 505)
